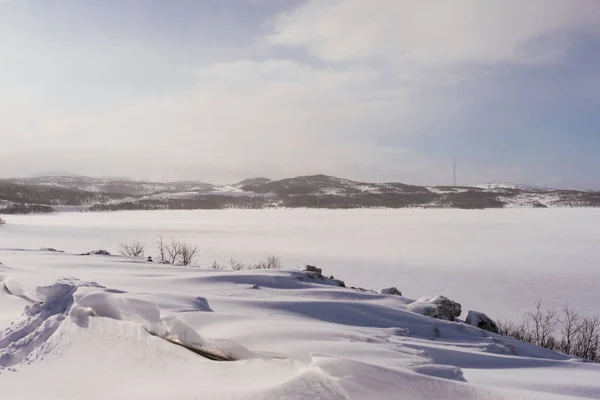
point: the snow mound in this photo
(25, 340)
(154, 332)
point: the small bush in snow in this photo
(236, 265)
(2, 221)
(136, 249)
(271, 262)
(173, 252)
(162, 249)
(565, 331)
(187, 253)
(215, 265)
(176, 252)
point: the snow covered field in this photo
(94, 327)
(499, 261)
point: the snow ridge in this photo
(296, 337)
(25, 341)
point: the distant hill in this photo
(73, 192)
(497, 185)
(112, 185)
(252, 181)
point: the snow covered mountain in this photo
(112, 185)
(517, 186)
(45, 194)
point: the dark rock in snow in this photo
(99, 252)
(390, 290)
(317, 273)
(482, 321)
(439, 307)
(314, 272)
(444, 308)
(313, 269)
(51, 249)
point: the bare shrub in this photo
(136, 249)
(187, 253)
(236, 265)
(519, 330)
(176, 252)
(173, 251)
(577, 336)
(215, 265)
(2, 221)
(570, 328)
(162, 249)
(588, 344)
(271, 262)
(258, 265)
(543, 325)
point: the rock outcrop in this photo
(482, 321)
(317, 273)
(439, 307)
(390, 290)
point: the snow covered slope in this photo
(519, 186)
(100, 327)
(55, 193)
(125, 186)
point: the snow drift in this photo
(110, 327)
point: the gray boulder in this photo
(482, 321)
(97, 252)
(390, 290)
(439, 307)
(313, 269)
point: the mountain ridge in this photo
(60, 193)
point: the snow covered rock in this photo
(100, 252)
(97, 252)
(482, 321)
(439, 307)
(390, 290)
(51, 249)
(317, 273)
(313, 269)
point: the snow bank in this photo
(139, 327)
(21, 342)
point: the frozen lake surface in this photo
(496, 261)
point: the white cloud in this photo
(272, 117)
(382, 69)
(434, 32)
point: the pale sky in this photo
(375, 90)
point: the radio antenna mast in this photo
(454, 181)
